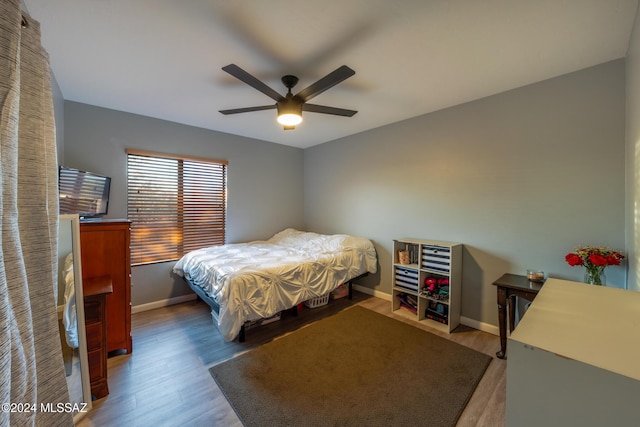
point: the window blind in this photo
(176, 204)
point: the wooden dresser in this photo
(105, 253)
(95, 292)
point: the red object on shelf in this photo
(409, 309)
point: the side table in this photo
(95, 309)
(509, 287)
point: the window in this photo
(176, 204)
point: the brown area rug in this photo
(357, 367)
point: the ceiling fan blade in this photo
(242, 75)
(327, 82)
(248, 109)
(328, 110)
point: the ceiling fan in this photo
(290, 106)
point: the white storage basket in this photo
(317, 301)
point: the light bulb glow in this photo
(289, 119)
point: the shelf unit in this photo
(428, 287)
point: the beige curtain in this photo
(31, 366)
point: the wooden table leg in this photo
(511, 302)
(502, 322)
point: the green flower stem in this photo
(594, 274)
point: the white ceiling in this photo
(163, 58)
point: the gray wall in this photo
(519, 178)
(58, 114)
(633, 153)
(265, 180)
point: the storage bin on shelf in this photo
(317, 301)
(406, 278)
(436, 258)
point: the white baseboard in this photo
(162, 303)
(481, 326)
(472, 323)
(365, 290)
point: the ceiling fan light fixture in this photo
(289, 112)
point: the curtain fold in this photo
(31, 365)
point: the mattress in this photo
(258, 279)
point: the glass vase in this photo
(596, 277)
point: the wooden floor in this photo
(165, 381)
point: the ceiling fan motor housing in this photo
(289, 81)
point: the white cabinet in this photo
(427, 281)
(573, 359)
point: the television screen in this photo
(83, 193)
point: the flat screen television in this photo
(83, 193)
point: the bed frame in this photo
(215, 307)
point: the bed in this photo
(244, 282)
(69, 319)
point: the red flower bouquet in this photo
(594, 259)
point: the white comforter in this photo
(258, 279)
